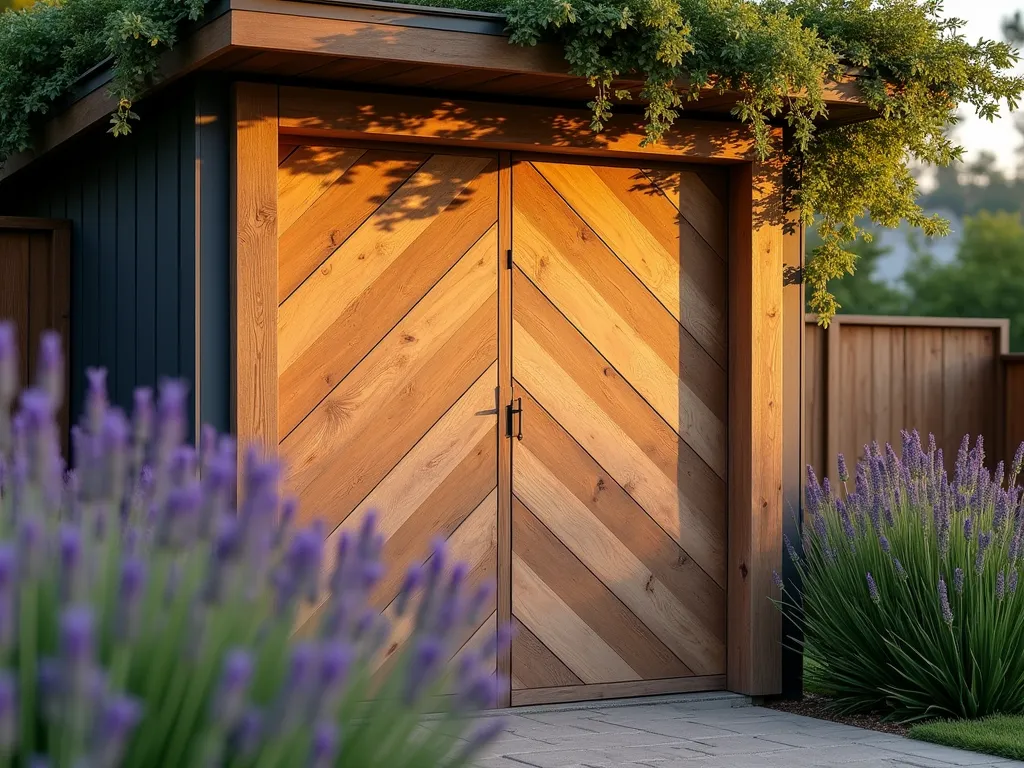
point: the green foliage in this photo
(909, 585)
(863, 293)
(46, 47)
(1000, 735)
(985, 280)
(916, 68)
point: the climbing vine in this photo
(915, 68)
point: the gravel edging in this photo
(820, 707)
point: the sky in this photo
(984, 19)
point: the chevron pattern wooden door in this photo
(619, 349)
(387, 350)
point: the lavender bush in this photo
(146, 618)
(909, 581)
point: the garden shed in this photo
(386, 243)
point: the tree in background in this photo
(986, 279)
(864, 293)
(986, 276)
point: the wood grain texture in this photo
(588, 596)
(504, 661)
(1013, 393)
(35, 293)
(427, 119)
(755, 428)
(562, 694)
(617, 510)
(255, 265)
(590, 286)
(388, 402)
(533, 665)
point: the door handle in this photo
(511, 410)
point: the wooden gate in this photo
(387, 352)
(35, 289)
(619, 496)
(388, 376)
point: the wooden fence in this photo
(35, 285)
(866, 378)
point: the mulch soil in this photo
(816, 705)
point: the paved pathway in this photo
(705, 732)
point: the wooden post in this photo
(254, 263)
(755, 428)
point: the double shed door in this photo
(403, 331)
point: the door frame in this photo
(263, 113)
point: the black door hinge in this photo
(508, 259)
(511, 410)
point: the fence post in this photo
(833, 374)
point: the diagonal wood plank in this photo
(337, 212)
(692, 288)
(696, 528)
(404, 415)
(597, 547)
(701, 207)
(564, 633)
(624, 345)
(533, 665)
(372, 314)
(439, 514)
(316, 304)
(568, 238)
(590, 599)
(306, 174)
(617, 400)
(412, 356)
(626, 519)
(474, 543)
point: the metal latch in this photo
(511, 410)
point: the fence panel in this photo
(866, 378)
(1013, 399)
(35, 285)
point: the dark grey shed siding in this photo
(150, 254)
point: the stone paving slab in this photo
(705, 732)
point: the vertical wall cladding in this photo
(150, 274)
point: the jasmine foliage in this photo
(46, 47)
(915, 69)
(910, 584)
(147, 607)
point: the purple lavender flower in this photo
(900, 571)
(1001, 510)
(960, 469)
(884, 543)
(70, 560)
(999, 475)
(873, 589)
(777, 579)
(1018, 461)
(790, 549)
(426, 661)
(812, 491)
(1000, 586)
(947, 612)
(1013, 581)
(229, 700)
(968, 528)
(118, 719)
(958, 580)
(984, 539)
(844, 474)
(325, 745)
